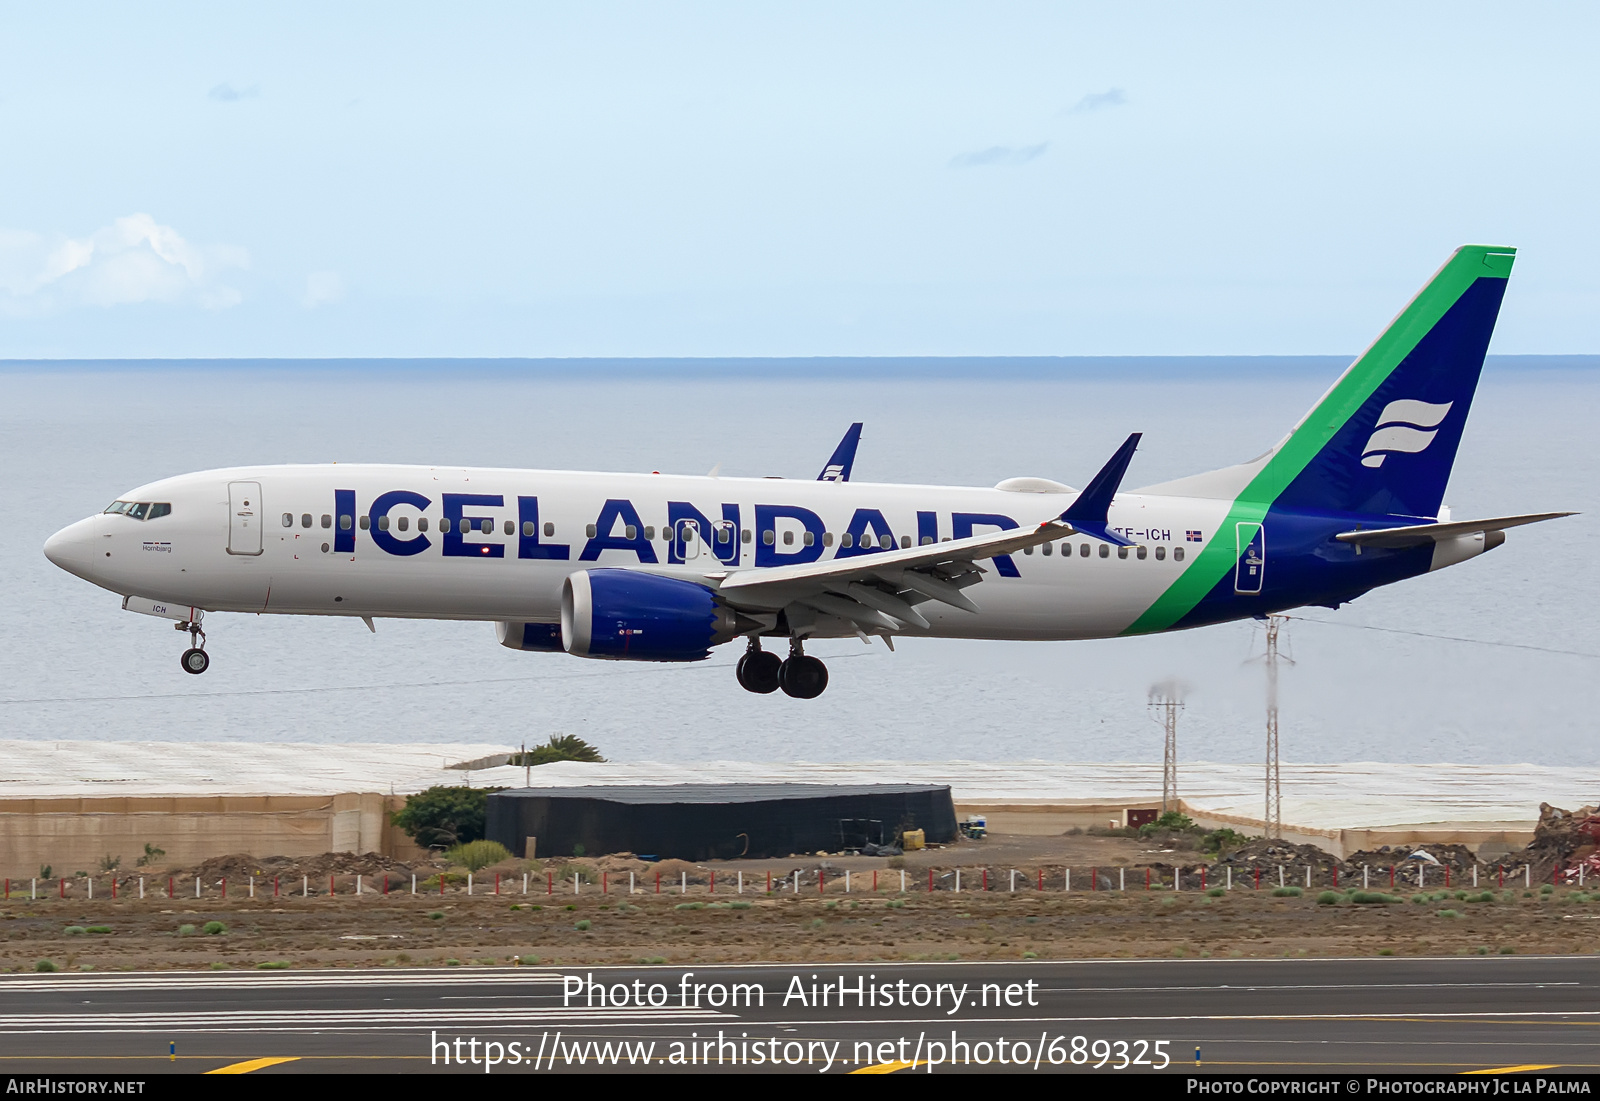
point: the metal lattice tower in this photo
(1274, 810)
(1167, 698)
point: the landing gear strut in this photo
(800, 676)
(195, 659)
(758, 669)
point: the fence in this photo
(1053, 878)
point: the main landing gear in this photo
(195, 659)
(800, 676)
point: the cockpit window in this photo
(140, 510)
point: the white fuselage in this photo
(291, 542)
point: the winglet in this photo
(1089, 513)
(844, 457)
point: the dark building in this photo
(716, 821)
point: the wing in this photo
(879, 591)
(843, 458)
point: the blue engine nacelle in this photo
(628, 615)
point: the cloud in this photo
(134, 259)
(323, 288)
(999, 155)
(227, 93)
(1098, 101)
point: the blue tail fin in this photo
(1383, 439)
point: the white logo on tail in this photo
(1404, 425)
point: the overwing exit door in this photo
(1252, 567)
(244, 518)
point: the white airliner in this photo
(661, 567)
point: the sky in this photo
(818, 179)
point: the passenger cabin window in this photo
(827, 538)
(288, 519)
(1161, 554)
(1045, 550)
(747, 535)
(1122, 552)
(1083, 550)
(927, 539)
(510, 528)
(486, 526)
(327, 521)
(905, 542)
(404, 523)
(847, 540)
(383, 523)
(305, 520)
(444, 524)
(725, 535)
(1105, 550)
(1027, 550)
(767, 537)
(788, 538)
(1177, 554)
(549, 528)
(344, 522)
(590, 531)
(1140, 553)
(631, 532)
(885, 541)
(809, 539)
(366, 522)
(649, 531)
(422, 523)
(527, 529)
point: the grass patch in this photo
(653, 961)
(452, 963)
(1449, 913)
(690, 906)
(273, 965)
(897, 904)
(477, 855)
(1508, 951)
(1386, 951)
(186, 930)
(1287, 892)
(436, 915)
(1216, 892)
(1371, 898)
(100, 929)
(44, 965)
(74, 930)
(583, 926)
(1329, 898)
(213, 928)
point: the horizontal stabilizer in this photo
(1416, 535)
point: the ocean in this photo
(1487, 662)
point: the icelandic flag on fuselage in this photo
(1382, 440)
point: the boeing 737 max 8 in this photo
(663, 568)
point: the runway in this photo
(1389, 1014)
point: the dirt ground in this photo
(590, 927)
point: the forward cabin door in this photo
(244, 518)
(1252, 568)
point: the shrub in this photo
(273, 965)
(74, 930)
(1287, 892)
(99, 928)
(443, 816)
(109, 863)
(212, 928)
(452, 963)
(1030, 955)
(690, 906)
(1217, 892)
(1546, 889)
(562, 747)
(151, 855)
(653, 961)
(738, 905)
(1386, 951)
(1329, 898)
(477, 854)
(186, 930)
(583, 926)
(1368, 898)
(436, 915)
(1449, 913)
(1419, 899)
(44, 965)
(1218, 840)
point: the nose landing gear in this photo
(195, 659)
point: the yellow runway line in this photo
(254, 1064)
(1515, 1070)
(888, 1068)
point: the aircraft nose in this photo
(72, 548)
